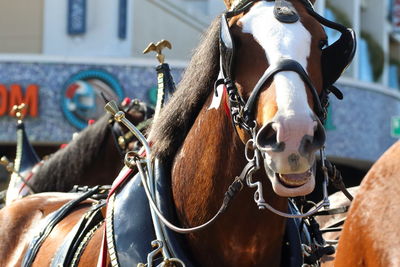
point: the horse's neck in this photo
(90, 159)
(208, 161)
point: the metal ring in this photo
(247, 148)
(130, 159)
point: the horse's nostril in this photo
(310, 144)
(267, 138)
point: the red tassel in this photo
(126, 101)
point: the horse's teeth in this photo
(295, 179)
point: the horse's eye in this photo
(323, 43)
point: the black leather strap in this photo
(283, 65)
(49, 223)
(65, 254)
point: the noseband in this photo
(242, 112)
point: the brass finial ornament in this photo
(112, 108)
(7, 164)
(158, 47)
(18, 110)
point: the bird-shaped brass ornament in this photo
(158, 47)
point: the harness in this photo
(50, 222)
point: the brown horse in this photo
(202, 135)
(370, 236)
(93, 157)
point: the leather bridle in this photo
(242, 112)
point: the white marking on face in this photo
(293, 119)
(281, 40)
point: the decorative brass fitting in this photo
(17, 109)
(158, 47)
(7, 163)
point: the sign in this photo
(82, 96)
(396, 16)
(13, 95)
(395, 127)
(76, 17)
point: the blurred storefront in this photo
(365, 123)
(58, 56)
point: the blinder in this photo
(333, 65)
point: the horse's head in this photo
(275, 53)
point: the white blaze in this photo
(281, 40)
(293, 120)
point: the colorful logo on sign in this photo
(82, 96)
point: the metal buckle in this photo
(158, 250)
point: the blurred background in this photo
(58, 56)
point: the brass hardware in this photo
(119, 116)
(17, 109)
(158, 47)
(130, 159)
(6, 163)
(123, 140)
(112, 108)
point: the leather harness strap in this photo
(65, 254)
(50, 222)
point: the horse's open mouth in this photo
(294, 180)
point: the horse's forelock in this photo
(177, 117)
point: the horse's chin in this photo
(293, 184)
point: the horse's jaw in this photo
(286, 184)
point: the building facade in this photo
(55, 54)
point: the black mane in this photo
(65, 167)
(177, 117)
